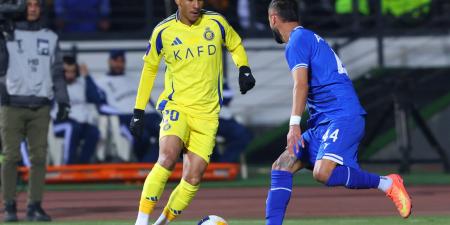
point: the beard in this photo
(277, 36)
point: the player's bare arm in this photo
(299, 95)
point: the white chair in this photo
(55, 148)
(220, 143)
(113, 140)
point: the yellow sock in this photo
(179, 199)
(153, 188)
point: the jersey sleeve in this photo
(151, 59)
(154, 51)
(298, 52)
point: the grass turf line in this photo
(419, 220)
(302, 179)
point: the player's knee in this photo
(167, 161)
(193, 180)
(168, 156)
(321, 176)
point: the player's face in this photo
(189, 10)
(33, 10)
(273, 22)
(70, 72)
(117, 66)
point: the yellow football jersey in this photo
(193, 58)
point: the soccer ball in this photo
(212, 220)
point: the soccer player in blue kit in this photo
(336, 125)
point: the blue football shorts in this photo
(336, 140)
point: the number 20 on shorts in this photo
(173, 114)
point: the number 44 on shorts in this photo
(333, 135)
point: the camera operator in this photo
(33, 78)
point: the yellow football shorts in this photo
(198, 135)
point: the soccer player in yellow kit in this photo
(191, 43)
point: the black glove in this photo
(246, 79)
(137, 123)
(63, 112)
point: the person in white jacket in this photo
(120, 90)
(79, 131)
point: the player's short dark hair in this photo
(286, 9)
(69, 59)
(116, 53)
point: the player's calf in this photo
(281, 187)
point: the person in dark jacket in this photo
(82, 16)
(33, 79)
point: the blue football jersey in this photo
(331, 93)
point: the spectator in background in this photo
(396, 8)
(78, 129)
(129, 15)
(410, 9)
(120, 89)
(346, 7)
(82, 15)
(237, 136)
(220, 6)
(34, 78)
(258, 12)
(349, 17)
(228, 8)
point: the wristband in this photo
(295, 120)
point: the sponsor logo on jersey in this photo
(177, 41)
(193, 52)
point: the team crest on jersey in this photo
(166, 126)
(208, 35)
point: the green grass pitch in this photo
(419, 220)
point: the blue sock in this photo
(352, 178)
(278, 197)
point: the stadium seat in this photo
(113, 143)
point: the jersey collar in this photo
(296, 28)
(177, 19)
